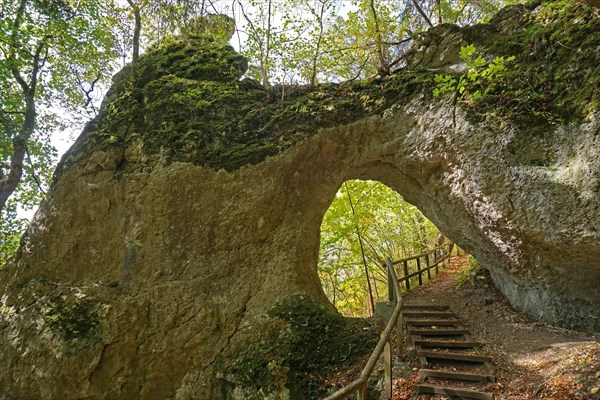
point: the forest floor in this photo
(531, 359)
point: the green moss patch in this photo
(315, 342)
(556, 75)
(75, 320)
(185, 101)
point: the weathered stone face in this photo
(176, 223)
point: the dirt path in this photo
(532, 360)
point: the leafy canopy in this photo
(388, 227)
(52, 54)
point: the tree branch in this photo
(35, 177)
(3, 111)
(422, 13)
(88, 91)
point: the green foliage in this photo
(470, 274)
(316, 341)
(477, 73)
(388, 226)
(11, 228)
(555, 77)
(50, 54)
(291, 41)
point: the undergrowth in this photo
(316, 342)
(469, 275)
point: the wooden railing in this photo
(421, 264)
(433, 259)
(359, 385)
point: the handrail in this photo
(421, 271)
(429, 266)
(359, 385)
(421, 255)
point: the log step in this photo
(438, 332)
(432, 314)
(430, 322)
(450, 391)
(454, 356)
(424, 307)
(457, 376)
(446, 344)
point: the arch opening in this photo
(367, 222)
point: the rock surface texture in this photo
(191, 206)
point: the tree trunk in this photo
(384, 68)
(11, 180)
(362, 252)
(136, 30)
(422, 13)
(313, 75)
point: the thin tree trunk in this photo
(422, 13)
(438, 6)
(136, 30)
(10, 180)
(313, 75)
(265, 62)
(362, 252)
(384, 68)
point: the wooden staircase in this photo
(453, 365)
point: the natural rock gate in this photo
(178, 219)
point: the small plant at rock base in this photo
(470, 274)
(477, 71)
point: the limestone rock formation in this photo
(177, 247)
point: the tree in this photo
(137, 28)
(366, 223)
(55, 54)
(51, 52)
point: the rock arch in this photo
(172, 228)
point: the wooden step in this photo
(450, 391)
(432, 314)
(446, 344)
(430, 322)
(424, 307)
(457, 376)
(438, 332)
(454, 356)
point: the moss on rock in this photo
(555, 77)
(184, 99)
(73, 320)
(315, 341)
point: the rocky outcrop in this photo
(187, 214)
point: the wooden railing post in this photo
(397, 298)
(387, 361)
(419, 270)
(362, 393)
(399, 335)
(427, 265)
(406, 274)
(391, 297)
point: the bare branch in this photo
(3, 111)
(87, 92)
(422, 13)
(35, 177)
